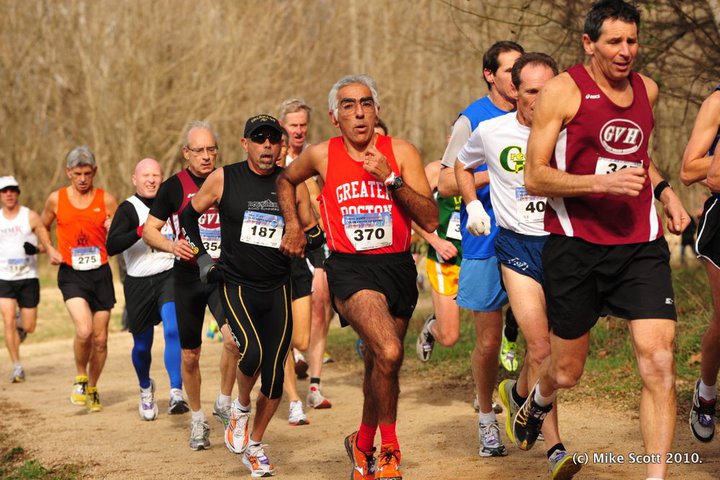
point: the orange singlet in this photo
(81, 233)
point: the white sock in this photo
(224, 400)
(253, 442)
(707, 392)
(198, 416)
(240, 406)
(146, 390)
(487, 418)
(543, 401)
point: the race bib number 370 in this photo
(368, 231)
(262, 229)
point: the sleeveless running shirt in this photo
(209, 221)
(449, 227)
(81, 232)
(14, 263)
(252, 227)
(140, 259)
(601, 138)
(358, 212)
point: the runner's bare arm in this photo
(208, 195)
(677, 218)
(111, 206)
(46, 219)
(443, 247)
(695, 160)
(38, 229)
(713, 174)
(556, 104)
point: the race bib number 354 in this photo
(610, 165)
(262, 229)
(368, 231)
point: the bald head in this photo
(147, 177)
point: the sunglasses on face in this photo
(261, 136)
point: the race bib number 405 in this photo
(530, 209)
(610, 165)
(85, 258)
(368, 231)
(262, 229)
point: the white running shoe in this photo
(425, 340)
(490, 443)
(237, 432)
(177, 403)
(297, 414)
(199, 435)
(222, 412)
(18, 374)
(257, 462)
(315, 398)
(148, 408)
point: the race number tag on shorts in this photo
(530, 209)
(610, 165)
(262, 229)
(18, 265)
(210, 238)
(368, 231)
(85, 258)
(167, 231)
(453, 229)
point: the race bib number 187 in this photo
(262, 229)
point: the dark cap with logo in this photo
(259, 121)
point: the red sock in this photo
(366, 437)
(388, 436)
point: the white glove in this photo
(478, 220)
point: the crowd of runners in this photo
(543, 207)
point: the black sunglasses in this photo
(261, 136)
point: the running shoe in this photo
(301, 366)
(222, 412)
(297, 414)
(528, 421)
(363, 463)
(388, 463)
(237, 432)
(505, 392)
(496, 407)
(18, 374)
(79, 390)
(702, 416)
(213, 331)
(177, 404)
(508, 355)
(327, 358)
(315, 398)
(257, 461)
(199, 435)
(562, 466)
(360, 348)
(148, 408)
(92, 400)
(425, 340)
(490, 442)
(22, 333)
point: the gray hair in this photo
(204, 124)
(350, 80)
(292, 105)
(79, 157)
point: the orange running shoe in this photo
(388, 466)
(363, 464)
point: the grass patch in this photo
(15, 465)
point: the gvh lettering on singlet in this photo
(368, 231)
(530, 208)
(85, 258)
(263, 229)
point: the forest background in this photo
(125, 77)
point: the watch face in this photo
(396, 183)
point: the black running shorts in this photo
(191, 297)
(392, 274)
(26, 292)
(317, 257)
(707, 245)
(301, 278)
(95, 286)
(144, 296)
(583, 280)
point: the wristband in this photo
(660, 187)
(139, 230)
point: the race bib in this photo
(85, 258)
(610, 165)
(210, 238)
(368, 231)
(167, 231)
(453, 228)
(530, 209)
(262, 229)
(18, 265)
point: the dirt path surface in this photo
(437, 428)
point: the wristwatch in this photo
(393, 182)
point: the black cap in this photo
(258, 121)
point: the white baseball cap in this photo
(6, 182)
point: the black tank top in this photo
(251, 227)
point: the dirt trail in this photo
(437, 428)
